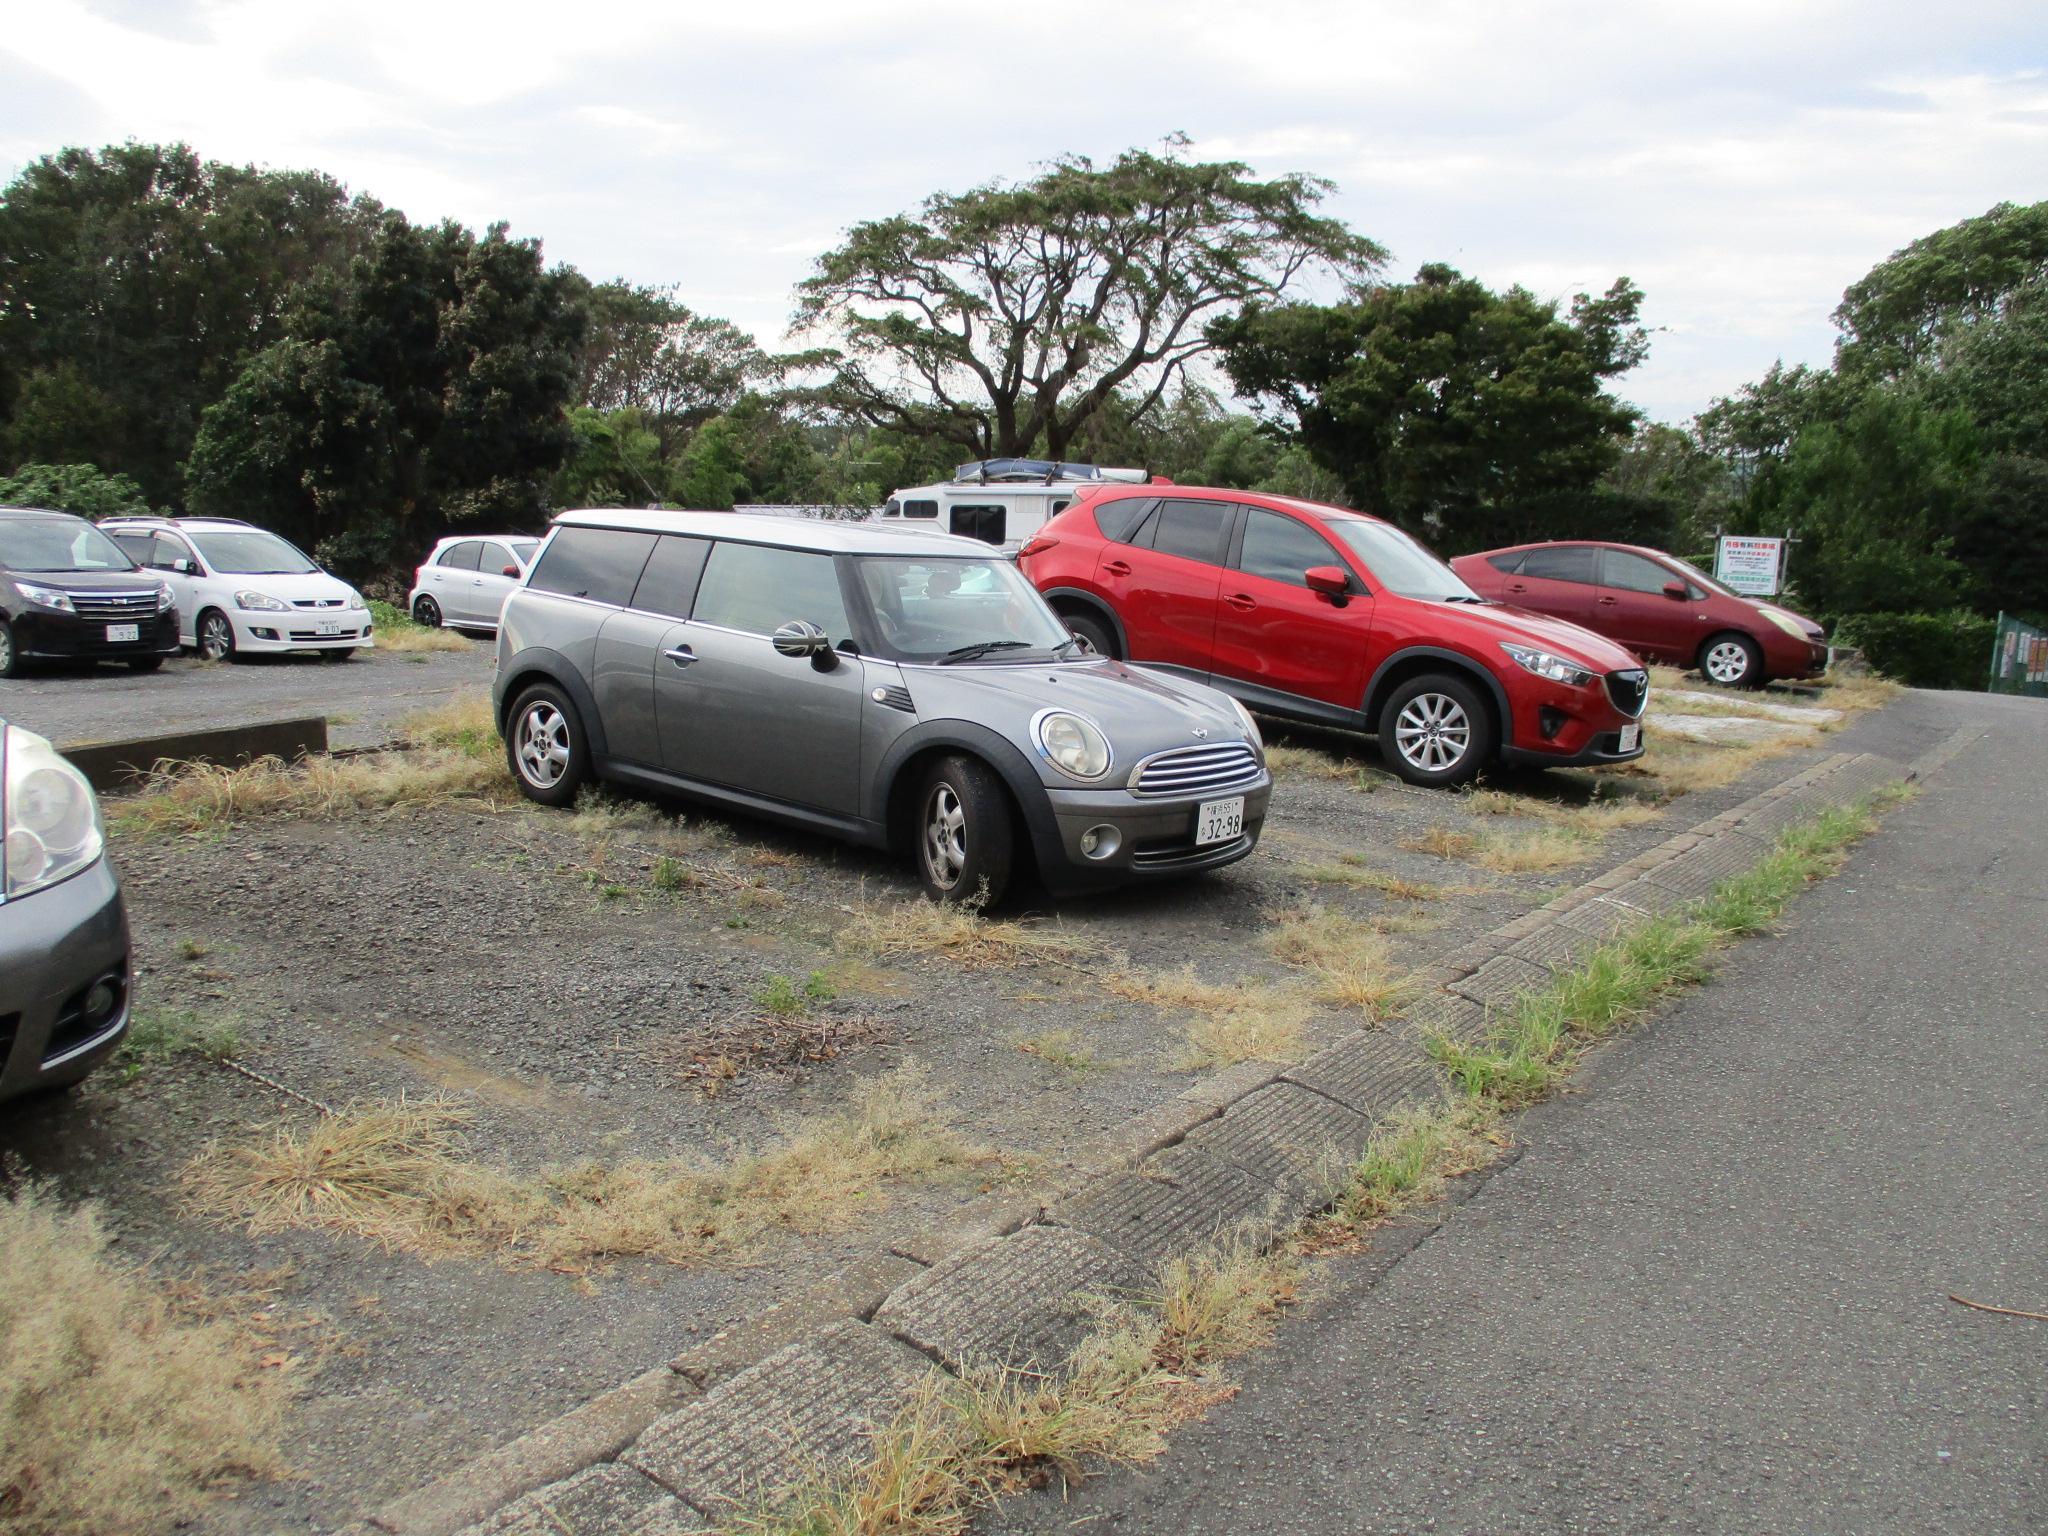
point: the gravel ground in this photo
(363, 697)
(537, 973)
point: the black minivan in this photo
(67, 590)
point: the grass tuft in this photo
(956, 932)
(1064, 1050)
(1533, 851)
(1348, 959)
(1227, 1022)
(395, 631)
(196, 798)
(1353, 870)
(157, 1035)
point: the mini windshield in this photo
(942, 609)
(54, 544)
(254, 553)
(1398, 563)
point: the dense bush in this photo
(1925, 650)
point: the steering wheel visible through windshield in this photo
(936, 608)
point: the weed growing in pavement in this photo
(465, 724)
(1347, 958)
(396, 632)
(1308, 763)
(1226, 1022)
(600, 812)
(672, 874)
(957, 932)
(1596, 818)
(122, 1414)
(1355, 870)
(157, 1035)
(786, 999)
(399, 1174)
(1065, 1050)
(192, 951)
(1540, 848)
(198, 798)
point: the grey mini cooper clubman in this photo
(897, 689)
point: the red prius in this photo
(1320, 614)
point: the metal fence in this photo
(2019, 659)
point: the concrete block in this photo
(1601, 919)
(1708, 865)
(116, 765)
(1177, 1200)
(1291, 1139)
(807, 1406)
(996, 1214)
(853, 1292)
(1467, 958)
(1443, 1013)
(1650, 898)
(1559, 947)
(605, 1500)
(1372, 1072)
(1020, 1300)
(1500, 981)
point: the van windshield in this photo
(52, 544)
(942, 609)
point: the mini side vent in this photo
(896, 696)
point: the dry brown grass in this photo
(1673, 766)
(466, 723)
(1226, 1022)
(1596, 818)
(958, 933)
(1840, 691)
(119, 1414)
(1354, 870)
(1307, 763)
(202, 797)
(397, 633)
(400, 1175)
(1348, 958)
(1533, 851)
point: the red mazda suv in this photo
(1319, 614)
(1657, 605)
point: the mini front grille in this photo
(1184, 851)
(114, 605)
(1197, 770)
(1630, 690)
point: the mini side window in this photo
(669, 584)
(757, 588)
(602, 564)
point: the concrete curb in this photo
(1253, 1155)
(116, 765)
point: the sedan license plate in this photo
(1218, 821)
(1631, 737)
(116, 633)
(329, 627)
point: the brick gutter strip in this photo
(1256, 1148)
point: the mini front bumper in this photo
(55, 946)
(1155, 834)
(64, 636)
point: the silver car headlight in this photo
(49, 820)
(1785, 622)
(1543, 664)
(261, 602)
(1072, 743)
(46, 597)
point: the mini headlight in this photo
(1543, 664)
(46, 597)
(260, 602)
(49, 818)
(1071, 743)
(1251, 726)
(1785, 622)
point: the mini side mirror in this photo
(1675, 589)
(800, 637)
(1330, 580)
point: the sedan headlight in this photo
(1785, 622)
(1543, 664)
(49, 821)
(260, 602)
(46, 597)
(1071, 743)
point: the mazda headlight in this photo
(49, 821)
(46, 597)
(1071, 743)
(1543, 664)
(260, 602)
(164, 596)
(1785, 621)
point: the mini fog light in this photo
(1101, 842)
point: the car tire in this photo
(10, 657)
(340, 653)
(966, 844)
(145, 663)
(213, 636)
(1731, 660)
(1436, 731)
(427, 613)
(1096, 634)
(545, 746)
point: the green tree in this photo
(1900, 314)
(78, 488)
(1460, 413)
(614, 461)
(646, 351)
(424, 389)
(712, 473)
(1002, 319)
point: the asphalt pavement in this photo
(1711, 1294)
(364, 697)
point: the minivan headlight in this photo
(261, 602)
(49, 821)
(164, 596)
(1543, 664)
(46, 597)
(1071, 743)
(355, 599)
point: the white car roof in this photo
(824, 536)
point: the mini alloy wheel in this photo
(1433, 733)
(945, 837)
(543, 745)
(965, 841)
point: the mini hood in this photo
(1117, 697)
(1560, 637)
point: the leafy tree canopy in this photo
(77, 488)
(1900, 313)
(645, 351)
(1002, 319)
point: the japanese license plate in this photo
(116, 633)
(1631, 737)
(329, 627)
(1218, 821)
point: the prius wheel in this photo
(1436, 731)
(965, 843)
(1733, 661)
(216, 636)
(545, 746)
(427, 613)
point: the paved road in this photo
(1711, 1295)
(364, 697)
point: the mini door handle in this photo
(1241, 601)
(682, 655)
(1117, 568)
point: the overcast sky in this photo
(1742, 161)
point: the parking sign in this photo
(1749, 565)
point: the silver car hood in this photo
(1139, 709)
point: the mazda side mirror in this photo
(1330, 580)
(1675, 589)
(800, 637)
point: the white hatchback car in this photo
(242, 589)
(464, 581)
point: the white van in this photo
(1002, 501)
